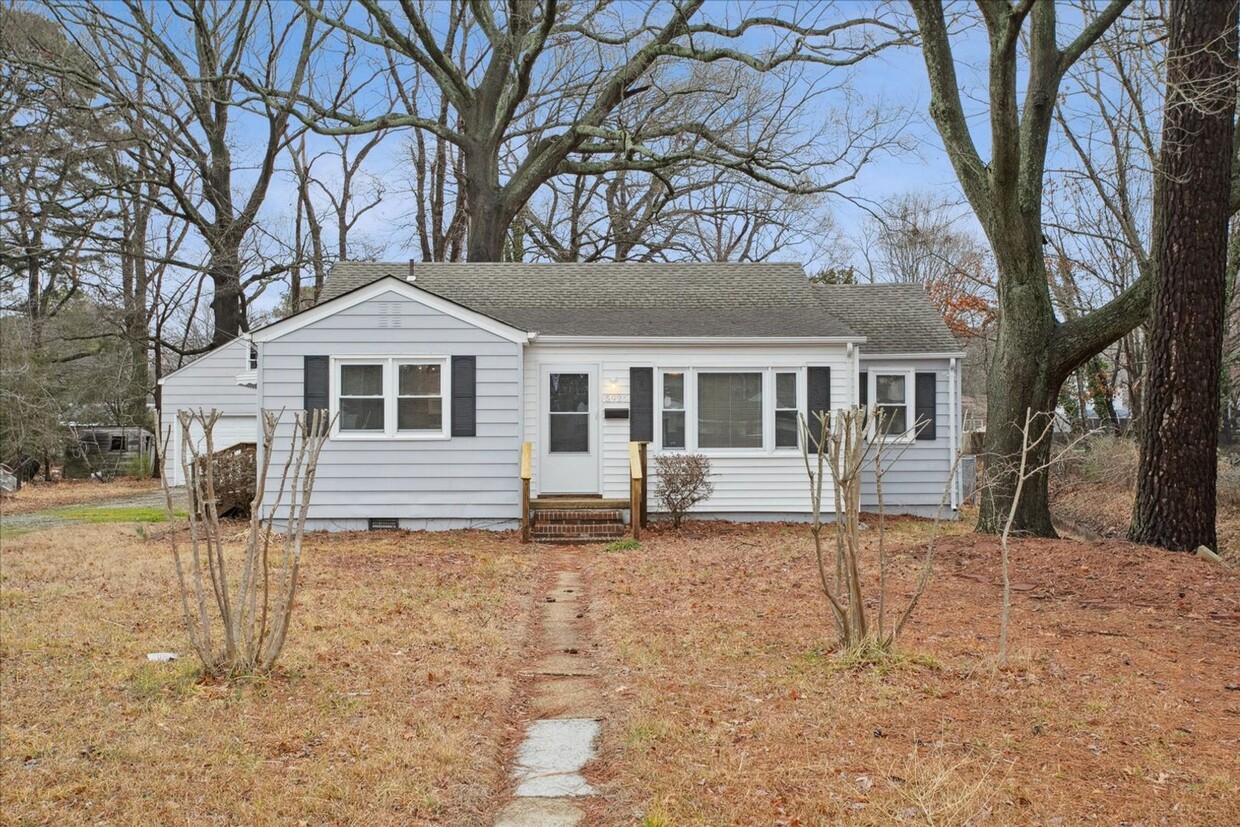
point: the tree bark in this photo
(1176, 482)
(1034, 352)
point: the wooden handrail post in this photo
(636, 478)
(527, 472)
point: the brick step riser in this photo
(598, 528)
(600, 533)
(570, 540)
(568, 516)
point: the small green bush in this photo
(627, 544)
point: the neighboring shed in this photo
(223, 379)
(103, 450)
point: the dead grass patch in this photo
(392, 704)
(730, 710)
(37, 495)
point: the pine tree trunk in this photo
(1175, 505)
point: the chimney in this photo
(411, 276)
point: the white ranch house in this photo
(443, 376)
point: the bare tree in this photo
(536, 90)
(1034, 351)
(193, 54)
(250, 611)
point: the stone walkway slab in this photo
(539, 812)
(550, 759)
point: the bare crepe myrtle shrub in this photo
(683, 482)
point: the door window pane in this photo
(730, 410)
(569, 425)
(570, 433)
(570, 392)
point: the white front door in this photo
(568, 460)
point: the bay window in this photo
(394, 397)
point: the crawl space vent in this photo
(383, 523)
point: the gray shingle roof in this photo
(894, 318)
(677, 299)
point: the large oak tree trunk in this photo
(1020, 380)
(226, 303)
(1175, 505)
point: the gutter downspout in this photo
(951, 433)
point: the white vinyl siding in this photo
(750, 481)
(209, 382)
(915, 479)
(438, 483)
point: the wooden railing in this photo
(637, 487)
(527, 473)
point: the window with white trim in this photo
(362, 405)
(673, 409)
(729, 411)
(419, 400)
(893, 400)
(786, 410)
(398, 397)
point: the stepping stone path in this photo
(566, 698)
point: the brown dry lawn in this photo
(400, 699)
(392, 706)
(1120, 707)
(38, 495)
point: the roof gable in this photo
(377, 288)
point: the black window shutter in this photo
(315, 384)
(464, 396)
(863, 389)
(641, 404)
(817, 401)
(926, 407)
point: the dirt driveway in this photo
(137, 507)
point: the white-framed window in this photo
(393, 397)
(729, 409)
(672, 422)
(786, 410)
(891, 395)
